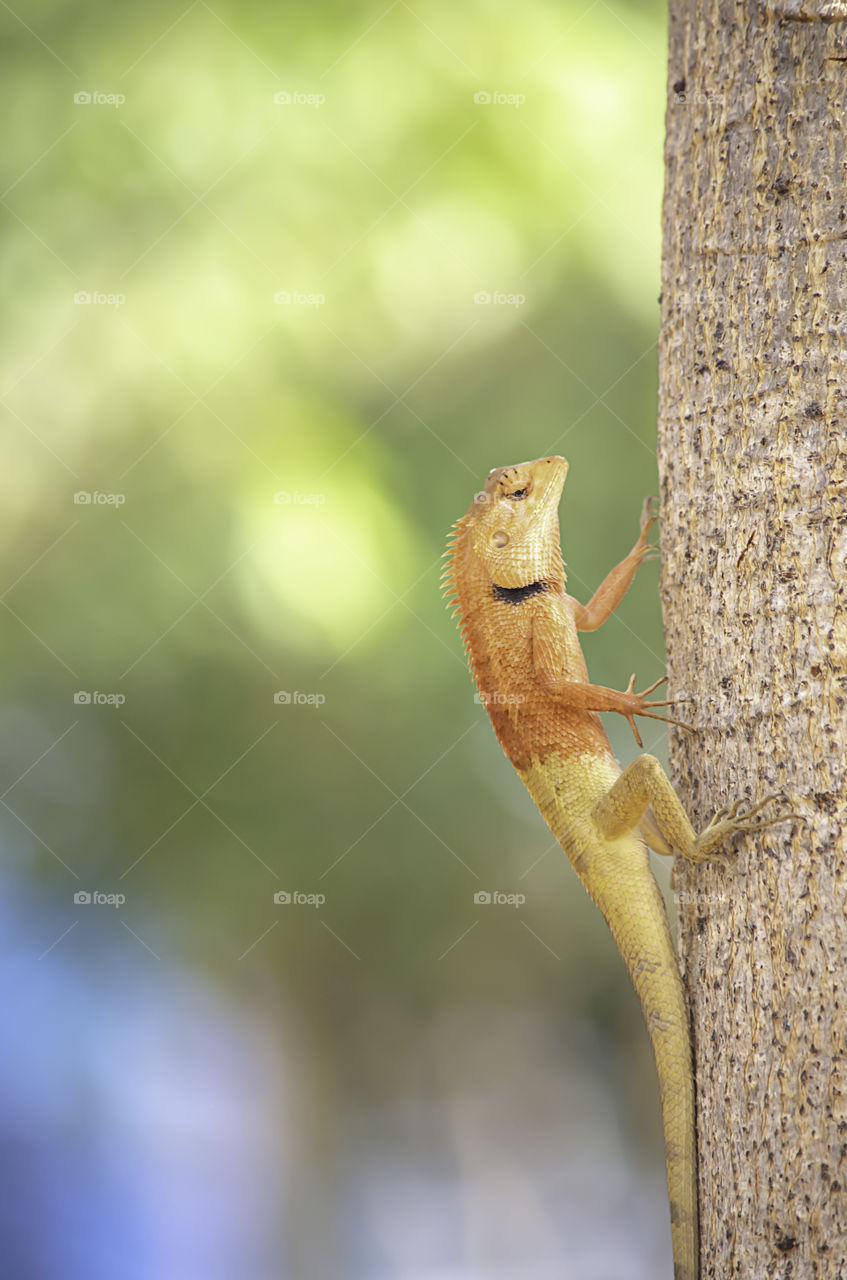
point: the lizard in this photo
(505, 579)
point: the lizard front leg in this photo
(617, 582)
(644, 784)
(555, 674)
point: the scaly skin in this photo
(506, 577)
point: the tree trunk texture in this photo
(753, 456)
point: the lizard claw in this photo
(730, 811)
(649, 512)
(649, 516)
(634, 727)
(680, 724)
(730, 821)
(645, 709)
(631, 687)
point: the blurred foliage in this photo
(382, 198)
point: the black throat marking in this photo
(517, 595)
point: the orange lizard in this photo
(506, 577)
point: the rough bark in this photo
(753, 455)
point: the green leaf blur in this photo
(283, 284)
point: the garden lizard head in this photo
(512, 527)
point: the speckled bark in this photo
(753, 456)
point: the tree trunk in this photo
(753, 454)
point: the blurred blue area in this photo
(135, 1108)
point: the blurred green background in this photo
(282, 285)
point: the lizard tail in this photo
(617, 875)
(639, 925)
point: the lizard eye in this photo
(500, 538)
(517, 495)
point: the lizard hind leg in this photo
(644, 786)
(643, 795)
(652, 835)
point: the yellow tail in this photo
(617, 875)
(636, 915)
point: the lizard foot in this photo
(641, 709)
(731, 821)
(649, 516)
